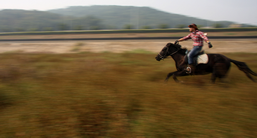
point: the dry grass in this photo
(136, 46)
(120, 95)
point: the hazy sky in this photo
(240, 11)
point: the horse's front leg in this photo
(169, 75)
(179, 73)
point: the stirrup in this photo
(188, 70)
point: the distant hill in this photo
(23, 20)
(96, 17)
(119, 16)
(19, 20)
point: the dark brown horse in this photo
(217, 64)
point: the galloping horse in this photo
(217, 64)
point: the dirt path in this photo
(220, 46)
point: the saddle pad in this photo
(202, 59)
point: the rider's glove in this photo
(176, 42)
(210, 45)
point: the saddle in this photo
(200, 58)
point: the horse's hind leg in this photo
(213, 78)
(220, 70)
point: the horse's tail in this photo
(243, 67)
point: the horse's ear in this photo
(169, 44)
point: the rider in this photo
(198, 37)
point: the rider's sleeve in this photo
(187, 37)
(203, 36)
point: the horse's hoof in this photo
(181, 82)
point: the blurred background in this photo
(87, 69)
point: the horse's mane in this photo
(182, 51)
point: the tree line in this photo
(97, 18)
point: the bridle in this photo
(166, 53)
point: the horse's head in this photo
(168, 50)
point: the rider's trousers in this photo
(192, 53)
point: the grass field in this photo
(121, 95)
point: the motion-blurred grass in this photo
(90, 95)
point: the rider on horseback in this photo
(198, 37)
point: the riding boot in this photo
(190, 69)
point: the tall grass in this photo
(120, 95)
